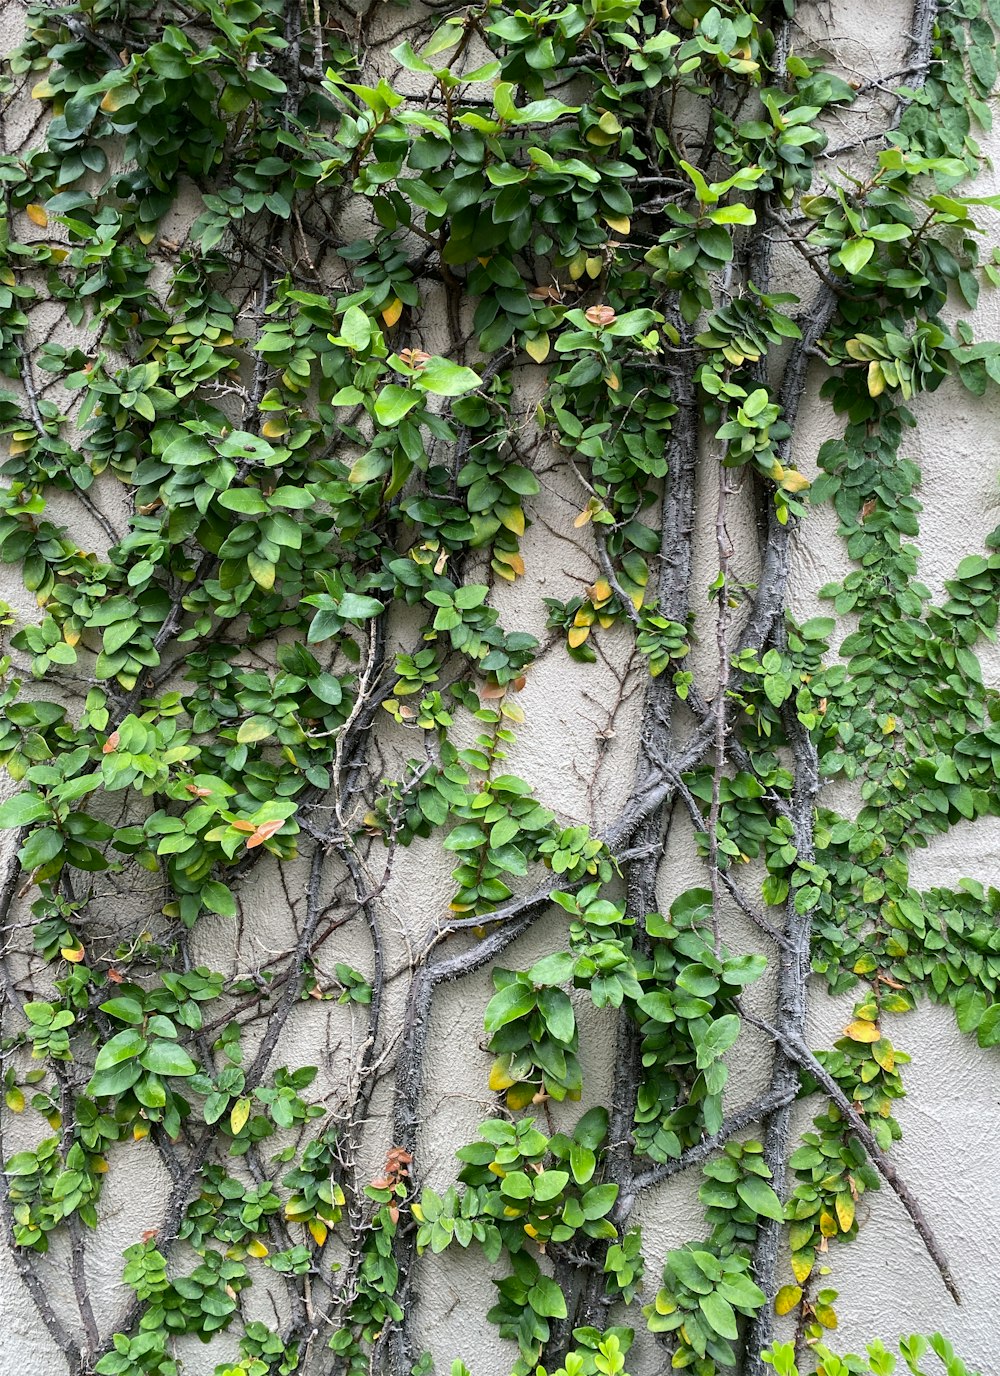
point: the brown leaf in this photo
(264, 832)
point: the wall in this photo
(575, 746)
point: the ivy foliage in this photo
(260, 536)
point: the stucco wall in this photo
(576, 747)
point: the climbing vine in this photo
(309, 316)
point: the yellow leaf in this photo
(600, 592)
(274, 427)
(827, 1224)
(318, 1229)
(621, 224)
(262, 571)
(37, 215)
(827, 1315)
(239, 1115)
(511, 558)
(393, 311)
(802, 1265)
(594, 265)
(889, 726)
(845, 1210)
(500, 1076)
(520, 1096)
(146, 234)
(577, 635)
(531, 1230)
(613, 381)
(860, 1031)
(257, 1248)
(15, 1100)
(578, 266)
(793, 481)
(537, 348)
(74, 954)
(512, 517)
(856, 349)
(115, 99)
(663, 1304)
(43, 90)
(787, 1298)
(140, 1131)
(876, 379)
(884, 1053)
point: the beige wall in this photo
(951, 1119)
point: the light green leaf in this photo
(393, 403)
(167, 1058)
(22, 809)
(446, 379)
(125, 1009)
(507, 1004)
(855, 253)
(760, 1197)
(121, 1047)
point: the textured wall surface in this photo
(575, 749)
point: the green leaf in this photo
(546, 1299)
(124, 1009)
(718, 1039)
(256, 729)
(554, 969)
(167, 1058)
(507, 1004)
(759, 1196)
(598, 1200)
(855, 253)
(549, 1184)
(393, 403)
(989, 1026)
(557, 1010)
(446, 379)
(246, 500)
(719, 1313)
(121, 1047)
(355, 330)
(592, 1128)
(23, 809)
(218, 899)
(354, 607)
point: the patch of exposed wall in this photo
(575, 748)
